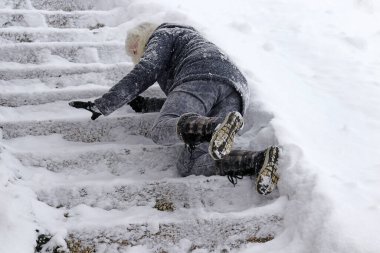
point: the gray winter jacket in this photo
(174, 54)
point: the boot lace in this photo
(191, 148)
(233, 178)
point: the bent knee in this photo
(164, 134)
(155, 135)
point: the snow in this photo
(314, 70)
(314, 67)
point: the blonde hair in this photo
(140, 35)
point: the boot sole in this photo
(223, 137)
(268, 177)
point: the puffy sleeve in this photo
(155, 58)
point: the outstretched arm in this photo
(142, 76)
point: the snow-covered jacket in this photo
(174, 54)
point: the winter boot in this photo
(147, 104)
(194, 129)
(262, 165)
(224, 135)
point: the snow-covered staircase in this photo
(113, 187)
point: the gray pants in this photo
(207, 98)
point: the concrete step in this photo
(215, 193)
(133, 176)
(19, 98)
(111, 128)
(105, 77)
(178, 231)
(15, 4)
(61, 19)
(35, 93)
(46, 34)
(71, 5)
(66, 74)
(131, 156)
(76, 52)
(61, 111)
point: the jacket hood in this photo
(173, 25)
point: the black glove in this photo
(138, 104)
(89, 106)
(147, 104)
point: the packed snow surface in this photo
(314, 68)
